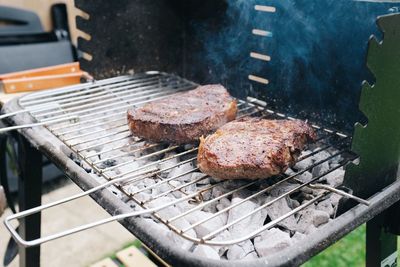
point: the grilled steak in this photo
(183, 117)
(253, 148)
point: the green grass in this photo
(349, 251)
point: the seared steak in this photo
(183, 117)
(253, 148)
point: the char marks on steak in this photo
(183, 117)
(253, 148)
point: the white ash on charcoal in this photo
(298, 237)
(140, 149)
(327, 206)
(212, 207)
(143, 196)
(242, 251)
(161, 231)
(306, 162)
(224, 235)
(74, 157)
(184, 206)
(186, 179)
(188, 188)
(282, 188)
(223, 203)
(310, 219)
(293, 203)
(180, 223)
(98, 178)
(180, 171)
(178, 193)
(290, 172)
(168, 164)
(118, 193)
(206, 252)
(279, 208)
(138, 208)
(127, 165)
(218, 191)
(201, 178)
(179, 241)
(336, 177)
(305, 177)
(162, 188)
(138, 193)
(321, 155)
(205, 195)
(323, 166)
(85, 166)
(334, 198)
(167, 212)
(131, 188)
(248, 224)
(271, 241)
(320, 169)
(90, 154)
(210, 225)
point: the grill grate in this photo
(102, 143)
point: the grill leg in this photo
(381, 242)
(29, 194)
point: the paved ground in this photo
(80, 249)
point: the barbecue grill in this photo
(156, 190)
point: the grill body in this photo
(161, 36)
(61, 148)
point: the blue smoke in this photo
(317, 48)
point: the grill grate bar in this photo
(256, 194)
(103, 143)
(159, 152)
(30, 98)
(112, 102)
(71, 104)
(126, 130)
(151, 164)
(123, 117)
(263, 228)
(278, 183)
(90, 126)
(94, 132)
(120, 104)
(114, 148)
(164, 181)
(269, 203)
(80, 122)
(174, 189)
(126, 153)
(102, 139)
(96, 92)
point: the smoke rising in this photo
(317, 48)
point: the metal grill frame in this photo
(111, 204)
(89, 101)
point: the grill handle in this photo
(39, 241)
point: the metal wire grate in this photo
(99, 137)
